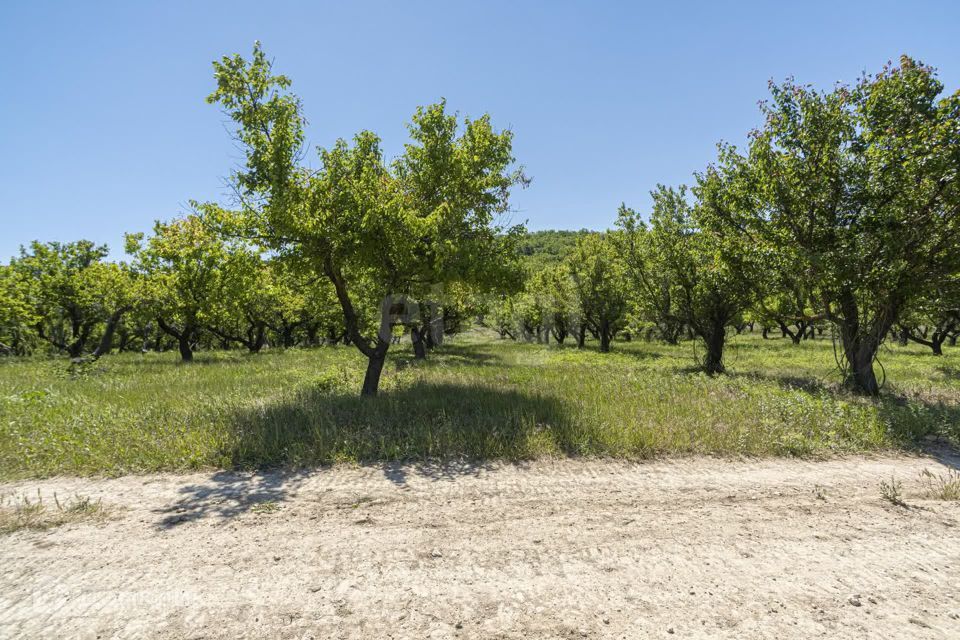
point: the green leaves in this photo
(70, 290)
(599, 279)
(424, 221)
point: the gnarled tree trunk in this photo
(106, 340)
(183, 337)
(714, 338)
(416, 337)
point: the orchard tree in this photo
(376, 231)
(187, 267)
(555, 289)
(935, 318)
(529, 316)
(503, 315)
(786, 302)
(249, 297)
(62, 300)
(652, 287)
(858, 187)
(710, 273)
(283, 305)
(17, 313)
(115, 290)
(599, 281)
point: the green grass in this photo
(476, 397)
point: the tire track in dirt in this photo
(694, 547)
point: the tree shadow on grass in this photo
(640, 354)
(447, 355)
(949, 371)
(165, 360)
(809, 384)
(425, 422)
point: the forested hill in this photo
(543, 248)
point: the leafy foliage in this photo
(858, 188)
(383, 230)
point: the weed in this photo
(892, 492)
(20, 512)
(941, 487)
(267, 506)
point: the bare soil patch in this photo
(696, 547)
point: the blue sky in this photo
(104, 128)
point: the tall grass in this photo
(476, 397)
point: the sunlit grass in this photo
(476, 397)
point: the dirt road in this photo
(694, 548)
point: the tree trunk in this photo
(377, 356)
(124, 340)
(581, 336)
(670, 334)
(713, 364)
(604, 338)
(860, 346)
(371, 379)
(903, 337)
(937, 344)
(428, 330)
(106, 341)
(862, 376)
(186, 349)
(419, 349)
(259, 339)
(183, 338)
(794, 337)
(75, 348)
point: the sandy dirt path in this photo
(686, 548)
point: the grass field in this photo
(476, 397)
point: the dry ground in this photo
(568, 549)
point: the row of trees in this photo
(844, 209)
(349, 248)
(185, 286)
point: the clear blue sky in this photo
(103, 125)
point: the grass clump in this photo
(475, 397)
(941, 486)
(21, 513)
